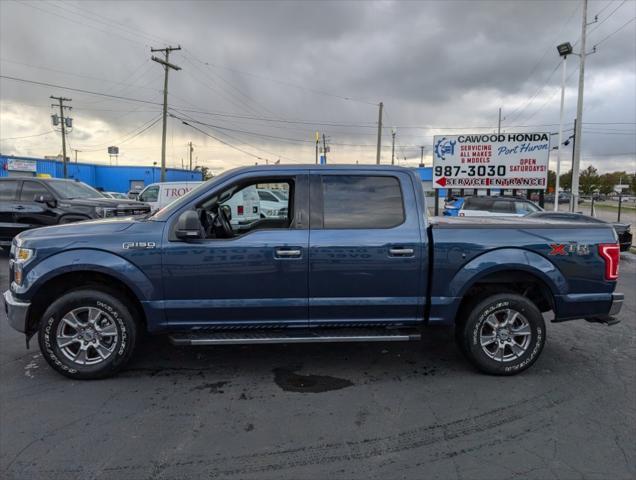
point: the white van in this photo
(158, 195)
(244, 205)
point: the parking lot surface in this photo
(379, 410)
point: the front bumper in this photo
(16, 311)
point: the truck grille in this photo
(126, 212)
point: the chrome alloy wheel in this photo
(87, 335)
(505, 335)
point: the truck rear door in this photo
(366, 259)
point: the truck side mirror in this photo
(189, 226)
(47, 199)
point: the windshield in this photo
(70, 190)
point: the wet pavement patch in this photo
(290, 381)
(211, 387)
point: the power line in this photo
(80, 90)
(124, 138)
(283, 82)
(597, 26)
(110, 33)
(27, 136)
(614, 32)
(224, 142)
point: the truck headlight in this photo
(20, 257)
(23, 255)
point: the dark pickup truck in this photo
(355, 259)
(32, 202)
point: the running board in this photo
(295, 336)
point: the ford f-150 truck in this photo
(355, 259)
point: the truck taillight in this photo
(610, 252)
(239, 209)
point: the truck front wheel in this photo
(87, 334)
(503, 334)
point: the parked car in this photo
(121, 196)
(380, 270)
(492, 207)
(623, 230)
(158, 195)
(271, 205)
(453, 206)
(27, 203)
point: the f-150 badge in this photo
(138, 245)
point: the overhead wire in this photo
(27, 136)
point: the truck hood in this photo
(89, 227)
(104, 202)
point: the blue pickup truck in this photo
(355, 259)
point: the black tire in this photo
(115, 316)
(528, 343)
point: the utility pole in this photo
(76, 150)
(167, 66)
(317, 142)
(191, 150)
(499, 123)
(61, 101)
(422, 156)
(377, 156)
(324, 147)
(576, 163)
(393, 146)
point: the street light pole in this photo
(564, 50)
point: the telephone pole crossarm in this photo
(61, 101)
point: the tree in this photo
(205, 172)
(589, 180)
(551, 180)
(565, 180)
(609, 180)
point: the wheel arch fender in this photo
(508, 259)
(89, 260)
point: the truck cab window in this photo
(8, 190)
(245, 208)
(31, 189)
(360, 201)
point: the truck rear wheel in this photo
(503, 334)
(87, 334)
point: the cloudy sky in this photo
(258, 79)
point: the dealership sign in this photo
(20, 165)
(506, 160)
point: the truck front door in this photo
(366, 259)
(258, 278)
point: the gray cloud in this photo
(431, 63)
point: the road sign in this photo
(506, 160)
(113, 150)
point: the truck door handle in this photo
(288, 253)
(19, 207)
(401, 252)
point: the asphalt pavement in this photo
(379, 410)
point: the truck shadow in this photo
(341, 364)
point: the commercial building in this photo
(110, 178)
